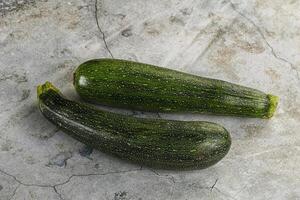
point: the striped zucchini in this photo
(139, 86)
(154, 142)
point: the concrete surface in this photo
(254, 43)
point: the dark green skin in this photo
(139, 86)
(157, 143)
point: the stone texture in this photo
(254, 43)
(12, 5)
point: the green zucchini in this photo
(157, 143)
(139, 86)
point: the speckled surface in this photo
(253, 43)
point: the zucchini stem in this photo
(273, 102)
(45, 87)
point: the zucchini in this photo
(157, 143)
(139, 86)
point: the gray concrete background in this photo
(7, 6)
(254, 43)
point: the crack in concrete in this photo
(93, 174)
(168, 176)
(258, 29)
(59, 195)
(14, 192)
(28, 185)
(68, 180)
(100, 30)
(54, 186)
(213, 186)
